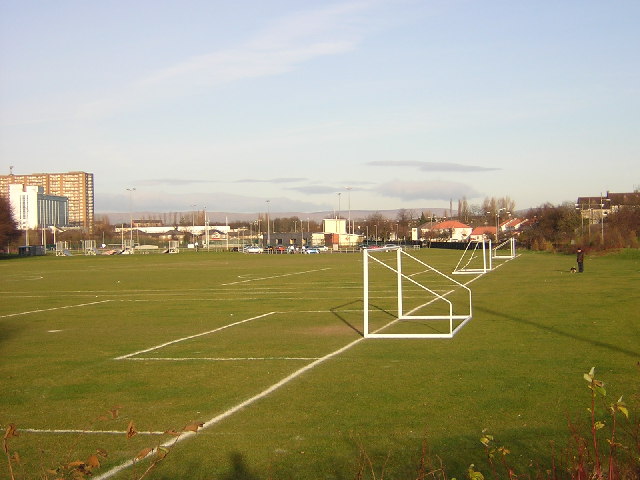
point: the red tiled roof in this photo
(449, 224)
(485, 229)
(513, 222)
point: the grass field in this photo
(267, 351)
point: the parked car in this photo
(253, 249)
(322, 248)
(311, 250)
(280, 249)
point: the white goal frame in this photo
(89, 247)
(511, 242)
(368, 255)
(487, 264)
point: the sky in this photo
(290, 106)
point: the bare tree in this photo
(8, 228)
(464, 212)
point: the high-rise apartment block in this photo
(76, 186)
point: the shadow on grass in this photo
(239, 469)
(8, 331)
(337, 313)
(589, 340)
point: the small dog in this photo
(573, 270)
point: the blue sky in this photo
(409, 103)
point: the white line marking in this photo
(87, 432)
(169, 444)
(217, 359)
(129, 355)
(53, 308)
(275, 276)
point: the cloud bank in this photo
(431, 190)
(432, 166)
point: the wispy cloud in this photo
(315, 189)
(280, 48)
(155, 182)
(433, 190)
(272, 180)
(146, 201)
(432, 166)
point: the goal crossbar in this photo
(456, 321)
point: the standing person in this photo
(580, 260)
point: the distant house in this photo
(449, 230)
(619, 200)
(147, 223)
(480, 234)
(596, 208)
(513, 225)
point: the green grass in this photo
(515, 369)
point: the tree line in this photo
(549, 227)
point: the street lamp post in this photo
(268, 224)
(193, 226)
(349, 228)
(601, 220)
(206, 227)
(579, 208)
(498, 221)
(131, 190)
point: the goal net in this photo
(404, 297)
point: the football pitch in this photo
(267, 353)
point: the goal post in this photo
(475, 260)
(506, 249)
(445, 324)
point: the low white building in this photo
(33, 209)
(449, 230)
(335, 233)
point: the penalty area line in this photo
(275, 276)
(217, 359)
(54, 308)
(139, 352)
(84, 432)
(218, 418)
